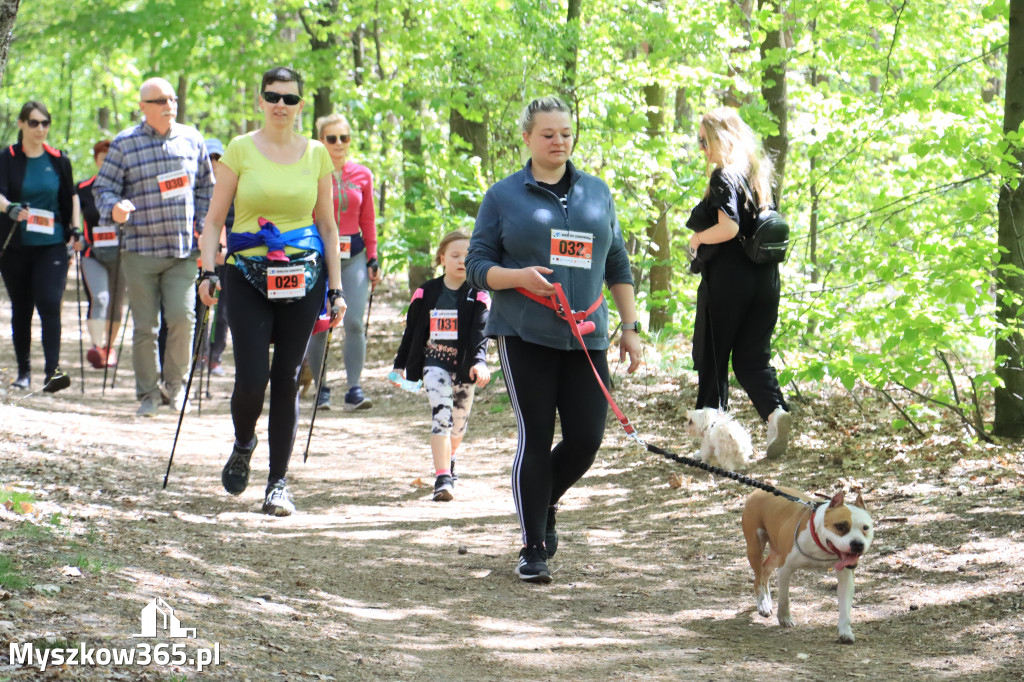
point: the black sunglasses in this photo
(331, 139)
(161, 100)
(35, 123)
(702, 142)
(275, 97)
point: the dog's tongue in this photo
(846, 560)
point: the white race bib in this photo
(40, 221)
(173, 184)
(104, 236)
(572, 249)
(444, 325)
(288, 281)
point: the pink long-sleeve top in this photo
(353, 204)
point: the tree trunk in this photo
(358, 55)
(572, 42)
(660, 278)
(323, 38)
(467, 138)
(182, 94)
(773, 89)
(8, 13)
(1009, 399)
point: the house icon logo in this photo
(167, 620)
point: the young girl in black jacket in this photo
(444, 345)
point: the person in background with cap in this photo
(156, 183)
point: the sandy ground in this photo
(372, 580)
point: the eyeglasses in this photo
(35, 123)
(702, 142)
(161, 100)
(275, 97)
(332, 139)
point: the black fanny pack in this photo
(280, 280)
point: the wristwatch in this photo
(631, 326)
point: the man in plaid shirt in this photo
(155, 184)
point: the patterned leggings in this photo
(450, 402)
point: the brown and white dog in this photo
(833, 534)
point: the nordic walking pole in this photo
(323, 372)
(188, 388)
(78, 296)
(14, 228)
(120, 347)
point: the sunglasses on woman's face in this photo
(334, 139)
(275, 97)
(35, 123)
(702, 142)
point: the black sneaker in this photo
(235, 475)
(444, 488)
(550, 534)
(355, 400)
(278, 501)
(323, 399)
(57, 381)
(23, 381)
(533, 565)
(451, 468)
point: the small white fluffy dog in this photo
(724, 442)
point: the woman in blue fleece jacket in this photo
(545, 224)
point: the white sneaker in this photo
(780, 423)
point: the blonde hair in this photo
(329, 120)
(453, 236)
(539, 105)
(739, 151)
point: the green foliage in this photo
(892, 146)
(10, 575)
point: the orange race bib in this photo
(572, 249)
(345, 244)
(40, 221)
(173, 184)
(288, 281)
(444, 325)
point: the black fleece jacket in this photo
(12, 176)
(473, 308)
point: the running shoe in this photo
(444, 488)
(57, 381)
(533, 565)
(323, 398)
(780, 423)
(148, 408)
(95, 356)
(355, 400)
(23, 381)
(216, 369)
(278, 501)
(235, 475)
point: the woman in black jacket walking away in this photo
(444, 344)
(737, 300)
(36, 190)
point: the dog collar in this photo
(814, 535)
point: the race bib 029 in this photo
(287, 281)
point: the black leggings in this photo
(256, 322)
(35, 277)
(737, 308)
(542, 381)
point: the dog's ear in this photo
(859, 502)
(837, 500)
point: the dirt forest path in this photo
(371, 580)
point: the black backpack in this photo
(769, 242)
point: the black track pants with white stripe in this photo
(542, 381)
